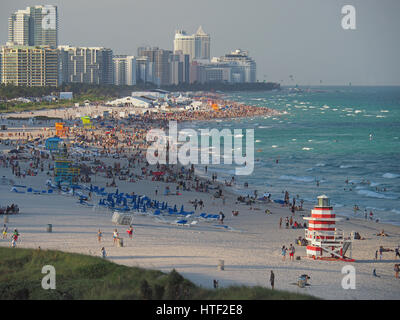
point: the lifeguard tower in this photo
(87, 122)
(325, 242)
(61, 130)
(64, 170)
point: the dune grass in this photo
(81, 277)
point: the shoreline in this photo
(249, 243)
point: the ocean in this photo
(327, 135)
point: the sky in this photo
(293, 41)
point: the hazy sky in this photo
(303, 38)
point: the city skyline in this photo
(304, 47)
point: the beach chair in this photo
(29, 190)
(16, 190)
(184, 222)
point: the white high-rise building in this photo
(18, 28)
(185, 43)
(124, 70)
(243, 68)
(34, 26)
(197, 46)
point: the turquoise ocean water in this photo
(330, 135)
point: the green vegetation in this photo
(82, 277)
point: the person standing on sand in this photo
(397, 253)
(99, 235)
(115, 236)
(130, 232)
(272, 279)
(103, 253)
(280, 223)
(292, 250)
(221, 217)
(376, 255)
(380, 252)
(283, 253)
(396, 270)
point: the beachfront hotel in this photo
(92, 65)
(29, 66)
(34, 26)
(197, 46)
(243, 67)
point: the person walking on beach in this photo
(376, 255)
(397, 253)
(272, 279)
(103, 253)
(130, 232)
(280, 223)
(283, 253)
(221, 217)
(99, 235)
(380, 252)
(15, 235)
(292, 250)
(4, 231)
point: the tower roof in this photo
(201, 32)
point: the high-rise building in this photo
(144, 70)
(124, 70)
(180, 68)
(93, 65)
(197, 46)
(161, 60)
(29, 66)
(19, 28)
(34, 26)
(202, 45)
(185, 43)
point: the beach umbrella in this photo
(175, 209)
(182, 209)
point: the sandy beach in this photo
(251, 248)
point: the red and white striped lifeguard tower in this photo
(322, 235)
